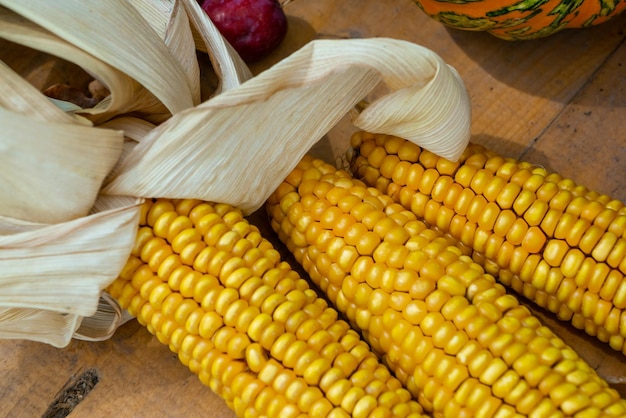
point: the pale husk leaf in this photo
(64, 267)
(169, 20)
(157, 13)
(18, 95)
(238, 146)
(127, 95)
(10, 226)
(116, 33)
(227, 155)
(103, 324)
(444, 131)
(50, 327)
(231, 70)
(135, 129)
(52, 172)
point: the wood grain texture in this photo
(138, 377)
(587, 140)
(559, 102)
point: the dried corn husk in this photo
(70, 262)
(169, 20)
(135, 129)
(227, 64)
(64, 266)
(126, 94)
(52, 276)
(103, 324)
(50, 327)
(52, 172)
(236, 147)
(115, 32)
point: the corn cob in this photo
(551, 240)
(206, 283)
(457, 341)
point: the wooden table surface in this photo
(559, 102)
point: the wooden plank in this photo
(138, 376)
(587, 141)
(142, 377)
(28, 385)
(519, 88)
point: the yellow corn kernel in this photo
(523, 201)
(389, 164)
(426, 158)
(522, 175)
(464, 175)
(481, 180)
(490, 214)
(555, 252)
(463, 201)
(428, 180)
(619, 298)
(476, 209)
(603, 247)
(590, 239)
(616, 258)
(441, 186)
(572, 262)
(610, 283)
(536, 212)
(508, 195)
(452, 195)
(376, 156)
(478, 158)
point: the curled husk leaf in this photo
(50, 266)
(115, 33)
(58, 271)
(52, 172)
(103, 324)
(226, 150)
(42, 325)
(126, 94)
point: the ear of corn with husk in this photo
(151, 136)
